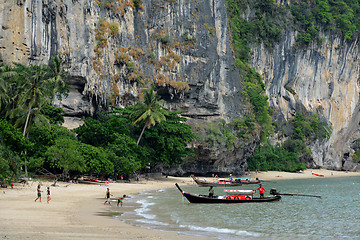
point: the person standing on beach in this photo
(261, 191)
(120, 200)
(38, 193)
(107, 196)
(48, 195)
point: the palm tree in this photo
(149, 111)
(39, 86)
(33, 87)
(6, 74)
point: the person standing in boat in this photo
(211, 191)
(261, 190)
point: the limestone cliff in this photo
(323, 79)
(112, 48)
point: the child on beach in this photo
(120, 200)
(38, 193)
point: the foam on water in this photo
(220, 230)
(141, 211)
(152, 222)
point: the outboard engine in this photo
(273, 191)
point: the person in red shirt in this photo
(261, 191)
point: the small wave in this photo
(220, 230)
(152, 222)
(144, 208)
(145, 203)
(147, 216)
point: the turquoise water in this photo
(335, 216)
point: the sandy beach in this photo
(75, 209)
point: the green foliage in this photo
(245, 31)
(339, 16)
(215, 135)
(26, 90)
(98, 133)
(165, 39)
(127, 156)
(356, 156)
(148, 112)
(96, 159)
(275, 158)
(266, 21)
(303, 130)
(114, 28)
(54, 114)
(137, 4)
(12, 138)
(9, 164)
(244, 128)
(188, 39)
(42, 138)
(168, 140)
(309, 128)
(356, 147)
(65, 155)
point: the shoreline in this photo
(75, 210)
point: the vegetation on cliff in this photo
(264, 22)
(105, 145)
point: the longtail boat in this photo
(247, 181)
(219, 183)
(224, 182)
(234, 196)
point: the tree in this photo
(96, 159)
(97, 133)
(126, 155)
(64, 154)
(9, 163)
(12, 144)
(148, 112)
(168, 140)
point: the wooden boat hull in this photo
(252, 182)
(195, 198)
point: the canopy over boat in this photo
(219, 183)
(224, 182)
(240, 191)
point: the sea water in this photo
(335, 216)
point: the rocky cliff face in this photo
(324, 79)
(112, 48)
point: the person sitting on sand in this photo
(120, 200)
(38, 193)
(107, 196)
(48, 195)
(261, 191)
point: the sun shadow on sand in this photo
(108, 214)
